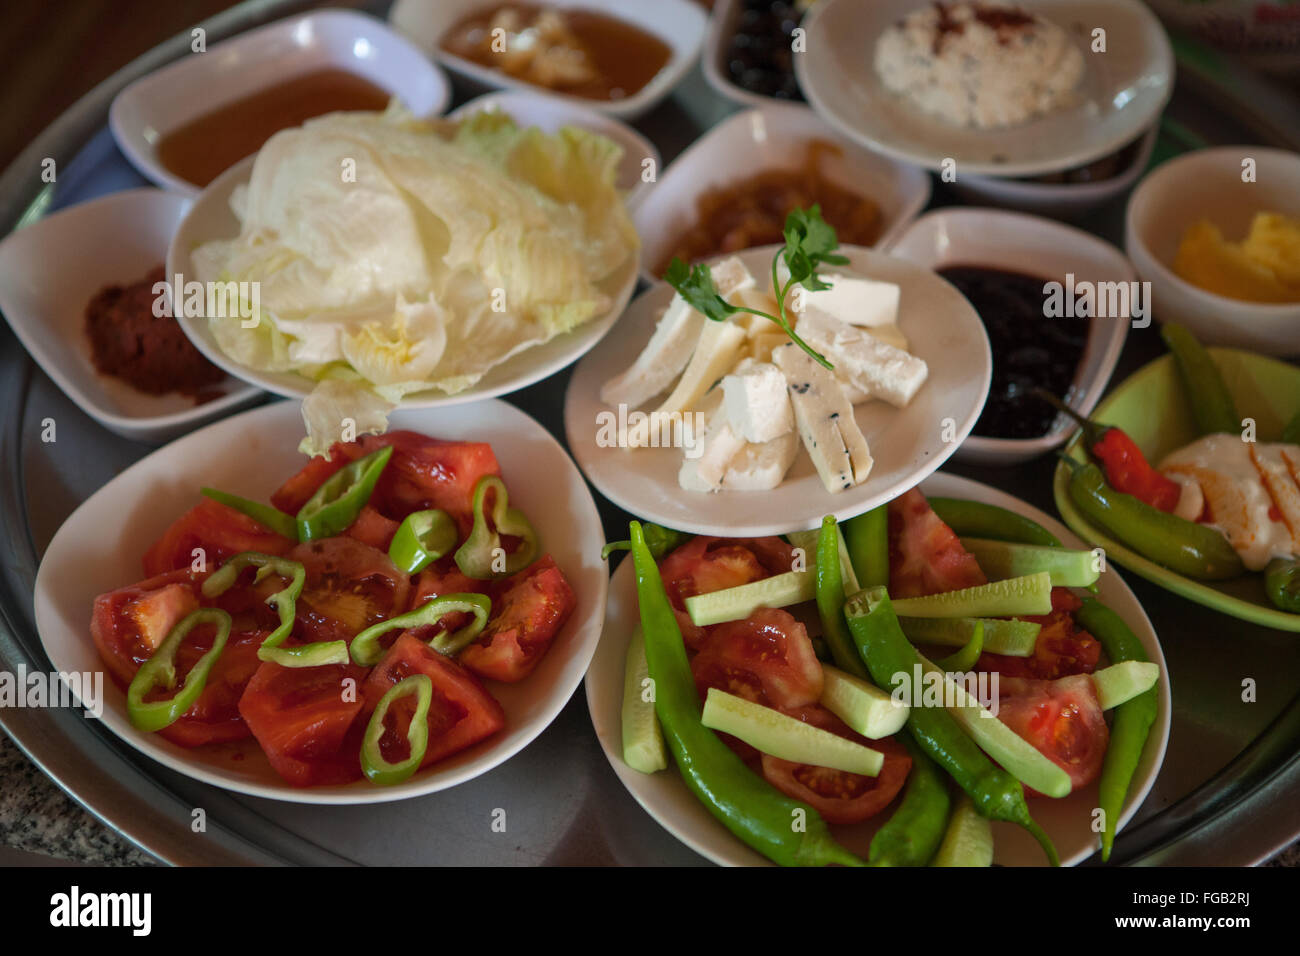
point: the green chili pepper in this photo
(830, 601)
(285, 602)
(367, 652)
(337, 502)
(160, 669)
(273, 518)
(658, 539)
(421, 539)
(974, 519)
(477, 557)
(1191, 549)
(786, 831)
(1291, 434)
(1132, 720)
(867, 538)
(1282, 583)
(373, 765)
(1207, 394)
(965, 659)
(890, 658)
(912, 835)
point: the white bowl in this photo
(678, 23)
(99, 547)
(1121, 95)
(50, 270)
(549, 113)
(906, 443)
(722, 24)
(1207, 184)
(772, 137)
(155, 105)
(211, 218)
(664, 796)
(1016, 242)
(1058, 200)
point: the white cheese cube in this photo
(825, 419)
(853, 299)
(868, 364)
(756, 403)
(761, 466)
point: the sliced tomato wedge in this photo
(349, 587)
(303, 718)
(372, 528)
(528, 610)
(1062, 649)
(925, 556)
(128, 624)
(219, 531)
(840, 797)
(215, 715)
(766, 658)
(461, 713)
(704, 565)
(1061, 718)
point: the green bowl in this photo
(1151, 406)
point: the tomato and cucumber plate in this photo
(744, 688)
(389, 622)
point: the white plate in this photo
(665, 797)
(211, 218)
(752, 142)
(549, 114)
(1122, 92)
(1016, 242)
(678, 23)
(50, 270)
(155, 105)
(98, 549)
(907, 444)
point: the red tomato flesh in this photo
(1062, 649)
(220, 532)
(1061, 718)
(349, 586)
(527, 613)
(766, 658)
(925, 556)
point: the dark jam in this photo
(760, 55)
(1029, 349)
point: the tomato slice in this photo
(704, 565)
(215, 715)
(372, 528)
(303, 719)
(128, 624)
(1062, 718)
(219, 531)
(840, 797)
(349, 587)
(925, 556)
(766, 658)
(1062, 649)
(527, 612)
(461, 714)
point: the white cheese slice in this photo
(756, 403)
(872, 366)
(761, 466)
(825, 419)
(869, 304)
(718, 349)
(661, 361)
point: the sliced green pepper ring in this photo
(337, 502)
(160, 669)
(285, 602)
(365, 646)
(476, 556)
(421, 539)
(271, 517)
(376, 768)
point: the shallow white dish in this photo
(666, 798)
(1016, 242)
(678, 23)
(167, 99)
(1207, 184)
(211, 218)
(907, 444)
(50, 270)
(1121, 94)
(98, 549)
(549, 113)
(713, 58)
(1060, 200)
(771, 137)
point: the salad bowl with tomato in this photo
(460, 547)
(770, 657)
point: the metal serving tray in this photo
(1226, 795)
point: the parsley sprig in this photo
(810, 242)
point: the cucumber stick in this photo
(1012, 638)
(863, 706)
(1124, 681)
(786, 738)
(1028, 594)
(807, 542)
(968, 840)
(732, 604)
(1000, 559)
(1016, 755)
(643, 738)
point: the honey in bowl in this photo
(205, 147)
